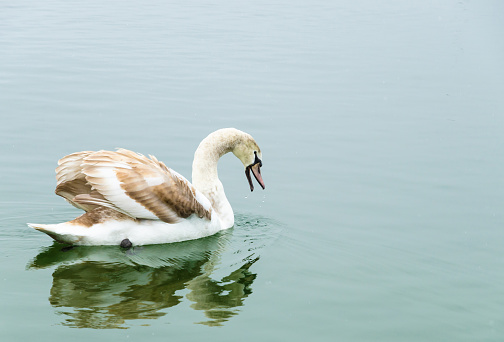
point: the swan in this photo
(130, 199)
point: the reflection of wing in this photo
(129, 183)
(144, 292)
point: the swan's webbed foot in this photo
(126, 243)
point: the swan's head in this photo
(250, 155)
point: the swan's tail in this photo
(55, 231)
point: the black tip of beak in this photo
(247, 173)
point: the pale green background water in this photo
(381, 128)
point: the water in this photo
(381, 131)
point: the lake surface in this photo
(381, 130)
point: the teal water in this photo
(381, 131)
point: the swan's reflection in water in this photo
(105, 287)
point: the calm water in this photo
(381, 130)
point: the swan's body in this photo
(129, 197)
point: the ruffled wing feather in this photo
(129, 183)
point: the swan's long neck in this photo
(204, 171)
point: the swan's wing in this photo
(71, 182)
(141, 187)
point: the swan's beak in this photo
(256, 170)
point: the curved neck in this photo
(204, 170)
(207, 155)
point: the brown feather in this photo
(71, 181)
(170, 199)
(99, 215)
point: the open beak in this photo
(256, 171)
